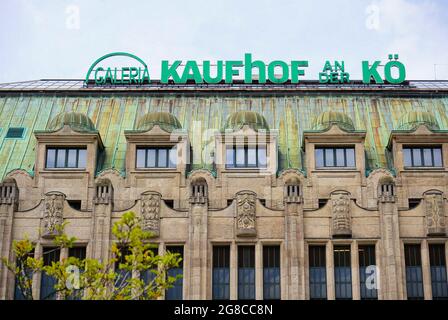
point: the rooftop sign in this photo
(277, 71)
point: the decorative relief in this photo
(245, 222)
(435, 214)
(53, 214)
(150, 212)
(341, 214)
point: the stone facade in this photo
(293, 208)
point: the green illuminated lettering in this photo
(249, 65)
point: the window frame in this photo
(246, 147)
(421, 149)
(221, 272)
(66, 160)
(317, 264)
(335, 149)
(169, 164)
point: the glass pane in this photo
(240, 161)
(176, 292)
(350, 156)
(407, 157)
(252, 156)
(262, 157)
(329, 158)
(340, 158)
(162, 158)
(51, 158)
(229, 157)
(60, 158)
(151, 153)
(417, 157)
(319, 154)
(141, 153)
(82, 158)
(72, 157)
(437, 157)
(173, 157)
(427, 157)
(221, 272)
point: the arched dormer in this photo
(334, 144)
(69, 145)
(157, 143)
(418, 142)
(246, 143)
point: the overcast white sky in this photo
(61, 38)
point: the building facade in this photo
(268, 191)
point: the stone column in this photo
(426, 271)
(258, 271)
(295, 249)
(8, 205)
(233, 271)
(198, 240)
(101, 223)
(391, 273)
(356, 289)
(330, 271)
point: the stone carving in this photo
(53, 214)
(341, 214)
(435, 214)
(150, 212)
(246, 213)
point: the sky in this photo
(60, 39)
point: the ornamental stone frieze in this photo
(53, 216)
(341, 217)
(435, 214)
(150, 212)
(245, 209)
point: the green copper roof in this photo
(413, 119)
(202, 115)
(254, 120)
(164, 120)
(77, 121)
(326, 119)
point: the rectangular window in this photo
(18, 295)
(176, 292)
(80, 253)
(246, 157)
(367, 272)
(156, 157)
(246, 272)
(342, 272)
(318, 273)
(148, 275)
(439, 280)
(66, 158)
(271, 273)
(47, 283)
(122, 275)
(221, 272)
(422, 156)
(414, 277)
(341, 157)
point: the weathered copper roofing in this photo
(326, 119)
(201, 115)
(164, 120)
(254, 120)
(79, 122)
(413, 119)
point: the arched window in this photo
(292, 190)
(199, 192)
(9, 193)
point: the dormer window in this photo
(335, 157)
(66, 158)
(424, 156)
(246, 156)
(160, 157)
